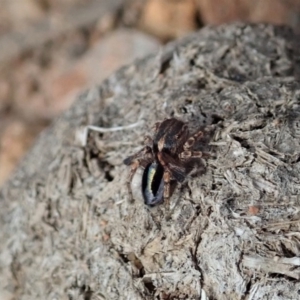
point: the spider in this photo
(168, 157)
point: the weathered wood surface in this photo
(68, 231)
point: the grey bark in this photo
(68, 230)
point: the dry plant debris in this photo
(49, 49)
(68, 230)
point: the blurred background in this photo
(50, 50)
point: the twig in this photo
(268, 265)
(81, 134)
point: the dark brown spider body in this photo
(167, 158)
(171, 136)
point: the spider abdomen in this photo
(153, 184)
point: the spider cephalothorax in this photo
(167, 157)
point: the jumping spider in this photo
(168, 157)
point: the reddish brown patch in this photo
(253, 210)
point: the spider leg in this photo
(167, 179)
(134, 167)
(175, 167)
(191, 140)
(156, 126)
(145, 152)
(190, 154)
(148, 141)
(141, 158)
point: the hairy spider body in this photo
(167, 158)
(171, 136)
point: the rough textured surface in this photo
(68, 231)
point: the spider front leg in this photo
(156, 126)
(141, 158)
(162, 157)
(167, 180)
(148, 141)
